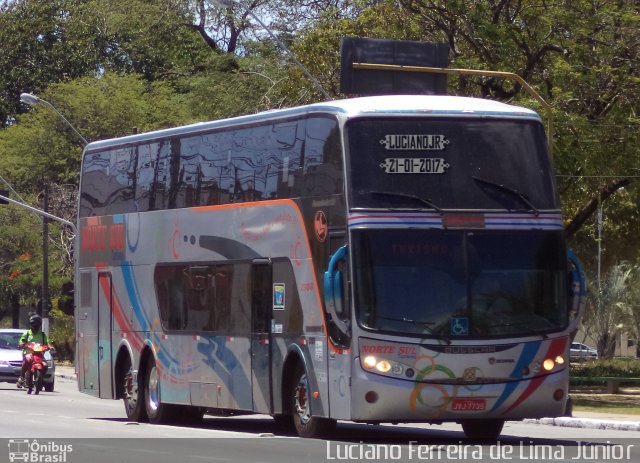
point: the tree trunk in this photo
(602, 194)
(15, 311)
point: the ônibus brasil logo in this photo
(38, 452)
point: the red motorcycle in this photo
(39, 366)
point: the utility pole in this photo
(44, 307)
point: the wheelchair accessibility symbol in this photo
(460, 326)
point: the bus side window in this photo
(124, 165)
(323, 170)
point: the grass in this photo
(624, 403)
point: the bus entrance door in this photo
(105, 300)
(261, 305)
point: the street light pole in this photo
(32, 100)
(231, 3)
(44, 307)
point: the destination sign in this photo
(414, 166)
(415, 142)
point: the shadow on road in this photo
(361, 433)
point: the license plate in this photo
(414, 165)
(468, 405)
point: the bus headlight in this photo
(383, 366)
(559, 359)
(548, 364)
(370, 362)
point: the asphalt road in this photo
(66, 426)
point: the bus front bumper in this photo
(377, 398)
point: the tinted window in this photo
(204, 298)
(459, 283)
(453, 163)
(270, 161)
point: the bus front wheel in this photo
(482, 429)
(305, 423)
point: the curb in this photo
(588, 423)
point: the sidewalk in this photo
(593, 420)
(589, 420)
(66, 371)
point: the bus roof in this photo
(351, 107)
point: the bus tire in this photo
(305, 424)
(133, 396)
(482, 429)
(157, 412)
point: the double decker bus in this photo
(374, 259)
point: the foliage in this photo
(62, 334)
(614, 368)
(608, 308)
(20, 257)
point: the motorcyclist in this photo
(35, 334)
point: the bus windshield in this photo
(460, 284)
(432, 163)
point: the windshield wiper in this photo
(513, 191)
(424, 324)
(424, 201)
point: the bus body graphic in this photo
(268, 264)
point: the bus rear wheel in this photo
(157, 412)
(482, 429)
(306, 425)
(132, 396)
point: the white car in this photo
(579, 351)
(11, 359)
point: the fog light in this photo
(371, 397)
(383, 366)
(370, 362)
(548, 364)
(558, 394)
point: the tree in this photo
(581, 56)
(608, 308)
(20, 259)
(36, 51)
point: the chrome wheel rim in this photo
(130, 390)
(301, 400)
(154, 389)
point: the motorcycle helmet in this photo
(35, 321)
